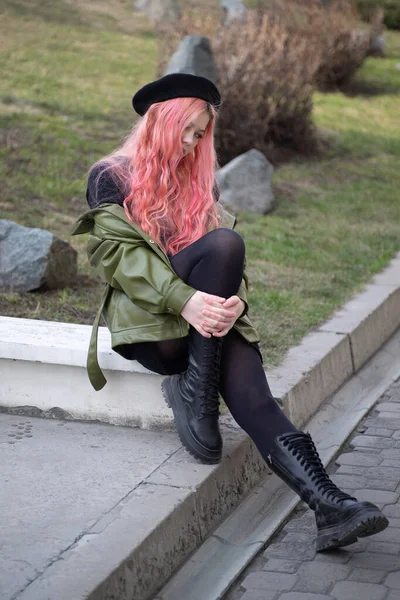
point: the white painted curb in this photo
(43, 364)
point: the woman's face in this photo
(194, 132)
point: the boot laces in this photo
(209, 383)
(303, 448)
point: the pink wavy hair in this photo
(168, 195)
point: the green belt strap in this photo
(95, 374)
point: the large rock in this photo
(233, 10)
(245, 183)
(377, 46)
(32, 259)
(194, 56)
(160, 12)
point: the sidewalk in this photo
(369, 468)
(64, 482)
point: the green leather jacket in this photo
(143, 297)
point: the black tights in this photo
(214, 264)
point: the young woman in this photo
(175, 298)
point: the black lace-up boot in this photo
(193, 397)
(340, 518)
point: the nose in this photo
(188, 138)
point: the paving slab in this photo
(368, 569)
(59, 480)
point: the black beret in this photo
(175, 85)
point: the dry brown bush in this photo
(266, 79)
(334, 29)
(269, 67)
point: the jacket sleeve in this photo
(144, 277)
(242, 293)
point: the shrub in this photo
(266, 78)
(391, 11)
(269, 67)
(333, 29)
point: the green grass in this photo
(68, 73)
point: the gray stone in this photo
(387, 415)
(380, 421)
(379, 432)
(359, 459)
(297, 536)
(392, 510)
(32, 259)
(338, 557)
(391, 407)
(320, 579)
(233, 10)
(245, 183)
(160, 12)
(371, 442)
(367, 575)
(268, 580)
(392, 453)
(259, 595)
(140, 5)
(281, 566)
(384, 548)
(350, 470)
(388, 535)
(194, 56)
(377, 46)
(382, 484)
(303, 596)
(349, 481)
(398, 66)
(377, 496)
(393, 580)
(290, 551)
(384, 473)
(349, 590)
(372, 560)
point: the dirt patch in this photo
(76, 304)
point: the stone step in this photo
(43, 366)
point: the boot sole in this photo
(366, 522)
(194, 448)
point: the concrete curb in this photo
(161, 523)
(325, 359)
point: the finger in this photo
(232, 301)
(218, 321)
(202, 332)
(213, 300)
(213, 329)
(221, 333)
(212, 326)
(223, 314)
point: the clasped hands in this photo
(212, 315)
